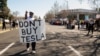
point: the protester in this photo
(91, 26)
(82, 24)
(26, 15)
(13, 24)
(65, 21)
(3, 24)
(33, 44)
(86, 23)
(73, 24)
(78, 23)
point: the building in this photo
(82, 14)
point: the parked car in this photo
(56, 22)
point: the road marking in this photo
(78, 53)
(4, 50)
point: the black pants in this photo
(33, 45)
(4, 27)
(73, 27)
(91, 28)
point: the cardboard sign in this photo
(43, 30)
(31, 31)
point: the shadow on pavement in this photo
(20, 53)
(57, 45)
(96, 47)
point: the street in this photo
(60, 42)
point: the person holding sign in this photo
(31, 30)
(33, 44)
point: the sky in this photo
(41, 7)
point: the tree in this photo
(55, 8)
(55, 11)
(66, 5)
(49, 16)
(4, 9)
(15, 13)
(11, 17)
(63, 14)
(95, 4)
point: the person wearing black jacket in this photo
(13, 24)
(3, 24)
(91, 26)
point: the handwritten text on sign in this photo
(31, 31)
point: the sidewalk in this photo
(0, 24)
(3, 31)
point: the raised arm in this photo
(26, 15)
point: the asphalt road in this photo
(60, 42)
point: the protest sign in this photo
(31, 31)
(43, 30)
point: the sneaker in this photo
(28, 49)
(33, 51)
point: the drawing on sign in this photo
(31, 31)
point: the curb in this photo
(3, 31)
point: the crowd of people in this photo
(90, 25)
(85, 23)
(11, 23)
